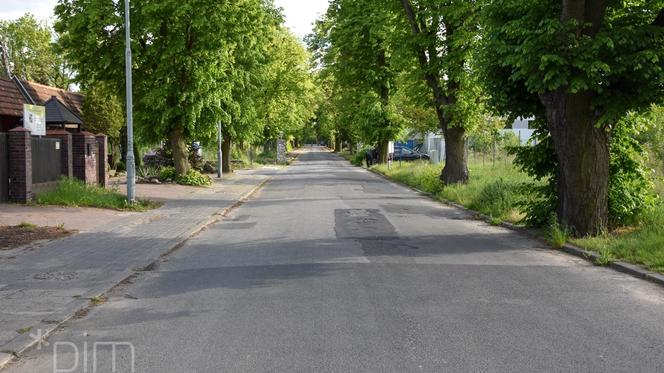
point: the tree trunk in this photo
(337, 144)
(180, 156)
(582, 150)
(383, 151)
(456, 163)
(226, 161)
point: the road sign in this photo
(34, 119)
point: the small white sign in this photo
(34, 119)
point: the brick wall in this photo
(84, 155)
(20, 165)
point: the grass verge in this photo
(75, 193)
(496, 192)
(492, 190)
(642, 244)
(349, 157)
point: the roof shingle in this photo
(57, 113)
(11, 100)
(42, 93)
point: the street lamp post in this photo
(219, 154)
(131, 166)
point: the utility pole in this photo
(5, 55)
(219, 154)
(131, 165)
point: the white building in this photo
(434, 143)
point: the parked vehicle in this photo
(403, 153)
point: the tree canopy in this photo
(190, 72)
(32, 51)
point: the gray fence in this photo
(46, 158)
(4, 168)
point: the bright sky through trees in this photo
(300, 14)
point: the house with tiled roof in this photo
(63, 108)
(11, 105)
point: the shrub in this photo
(167, 174)
(147, 172)
(360, 156)
(558, 235)
(194, 178)
(496, 198)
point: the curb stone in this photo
(590, 256)
(15, 348)
(5, 359)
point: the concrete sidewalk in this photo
(85, 219)
(43, 287)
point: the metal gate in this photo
(4, 168)
(46, 155)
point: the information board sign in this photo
(34, 119)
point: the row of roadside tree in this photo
(588, 71)
(195, 64)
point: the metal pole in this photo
(131, 166)
(219, 154)
(494, 152)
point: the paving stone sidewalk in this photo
(42, 287)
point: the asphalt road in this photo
(332, 269)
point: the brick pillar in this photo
(102, 159)
(67, 168)
(20, 165)
(84, 149)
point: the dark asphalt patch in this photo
(362, 223)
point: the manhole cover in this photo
(56, 276)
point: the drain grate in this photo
(56, 276)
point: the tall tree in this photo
(32, 51)
(442, 38)
(287, 99)
(246, 74)
(580, 66)
(353, 43)
(103, 112)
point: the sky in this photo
(300, 14)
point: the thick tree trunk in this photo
(337, 144)
(226, 161)
(383, 151)
(180, 153)
(456, 164)
(583, 155)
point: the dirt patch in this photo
(18, 235)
